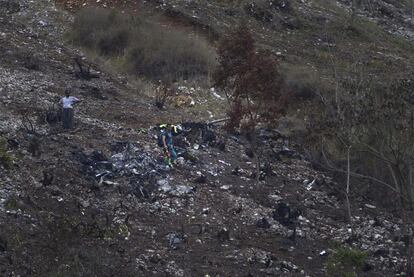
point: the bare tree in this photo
(376, 118)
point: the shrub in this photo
(11, 203)
(303, 82)
(166, 55)
(162, 92)
(6, 160)
(92, 24)
(345, 262)
(144, 46)
(114, 42)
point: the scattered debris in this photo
(175, 240)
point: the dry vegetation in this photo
(141, 46)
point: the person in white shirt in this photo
(67, 103)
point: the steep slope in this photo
(97, 201)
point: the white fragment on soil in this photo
(223, 162)
(215, 94)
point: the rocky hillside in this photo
(97, 201)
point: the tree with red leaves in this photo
(253, 85)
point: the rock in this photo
(162, 182)
(43, 23)
(275, 197)
(175, 240)
(180, 160)
(225, 187)
(288, 266)
(181, 190)
(174, 190)
(84, 203)
(166, 188)
(263, 223)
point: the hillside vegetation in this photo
(141, 46)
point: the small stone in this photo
(225, 187)
(84, 203)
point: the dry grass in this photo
(141, 46)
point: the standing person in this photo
(67, 103)
(165, 140)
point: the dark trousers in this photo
(67, 118)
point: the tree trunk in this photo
(410, 188)
(348, 179)
(353, 12)
(409, 222)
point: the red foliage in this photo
(254, 85)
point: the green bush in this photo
(6, 161)
(11, 203)
(345, 262)
(144, 47)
